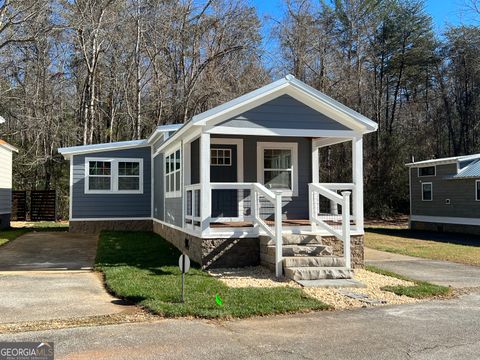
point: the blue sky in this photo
(444, 12)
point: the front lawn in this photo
(10, 234)
(143, 268)
(420, 290)
(464, 249)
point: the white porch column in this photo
(315, 164)
(357, 174)
(205, 190)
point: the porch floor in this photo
(247, 224)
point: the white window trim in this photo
(228, 151)
(423, 176)
(476, 185)
(176, 193)
(114, 175)
(431, 187)
(293, 146)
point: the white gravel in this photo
(261, 277)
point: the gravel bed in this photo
(261, 277)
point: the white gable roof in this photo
(86, 149)
(297, 89)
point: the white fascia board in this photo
(9, 147)
(67, 152)
(298, 90)
(443, 161)
(329, 141)
(226, 130)
(370, 125)
(163, 129)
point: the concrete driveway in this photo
(437, 272)
(46, 276)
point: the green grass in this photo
(142, 267)
(420, 290)
(14, 232)
(464, 249)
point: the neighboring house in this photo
(445, 194)
(6, 152)
(236, 185)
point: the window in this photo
(277, 166)
(113, 176)
(477, 190)
(221, 157)
(427, 191)
(426, 171)
(172, 174)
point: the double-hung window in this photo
(427, 191)
(173, 174)
(277, 165)
(110, 175)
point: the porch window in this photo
(107, 175)
(277, 167)
(427, 191)
(173, 174)
(221, 157)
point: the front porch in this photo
(291, 202)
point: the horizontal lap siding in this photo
(158, 187)
(284, 112)
(461, 193)
(5, 181)
(88, 206)
(173, 211)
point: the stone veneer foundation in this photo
(94, 227)
(213, 253)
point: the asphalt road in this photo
(448, 329)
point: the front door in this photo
(223, 168)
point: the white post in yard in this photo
(205, 190)
(278, 235)
(357, 175)
(346, 229)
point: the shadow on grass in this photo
(442, 237)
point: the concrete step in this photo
(292, 239)
(302, 250)
(315, 273)
(313, 261)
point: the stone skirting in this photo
(94, 227)
(441, 227)
(4, 221)
(213, 253)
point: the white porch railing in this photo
(328, 217)
(258, 192)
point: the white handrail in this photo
(258, 190)
(316, 189)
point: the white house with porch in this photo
(236, 185)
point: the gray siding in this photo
(195, 161)
(158, 187)
(284, 112)
(295, 207)
(173, 211)
(5, 201)
(461, 193)
(89, 206)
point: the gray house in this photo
(6, 151)
(445, 194)
(236, 185)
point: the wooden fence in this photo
(41, 205)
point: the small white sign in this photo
(182, 261)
